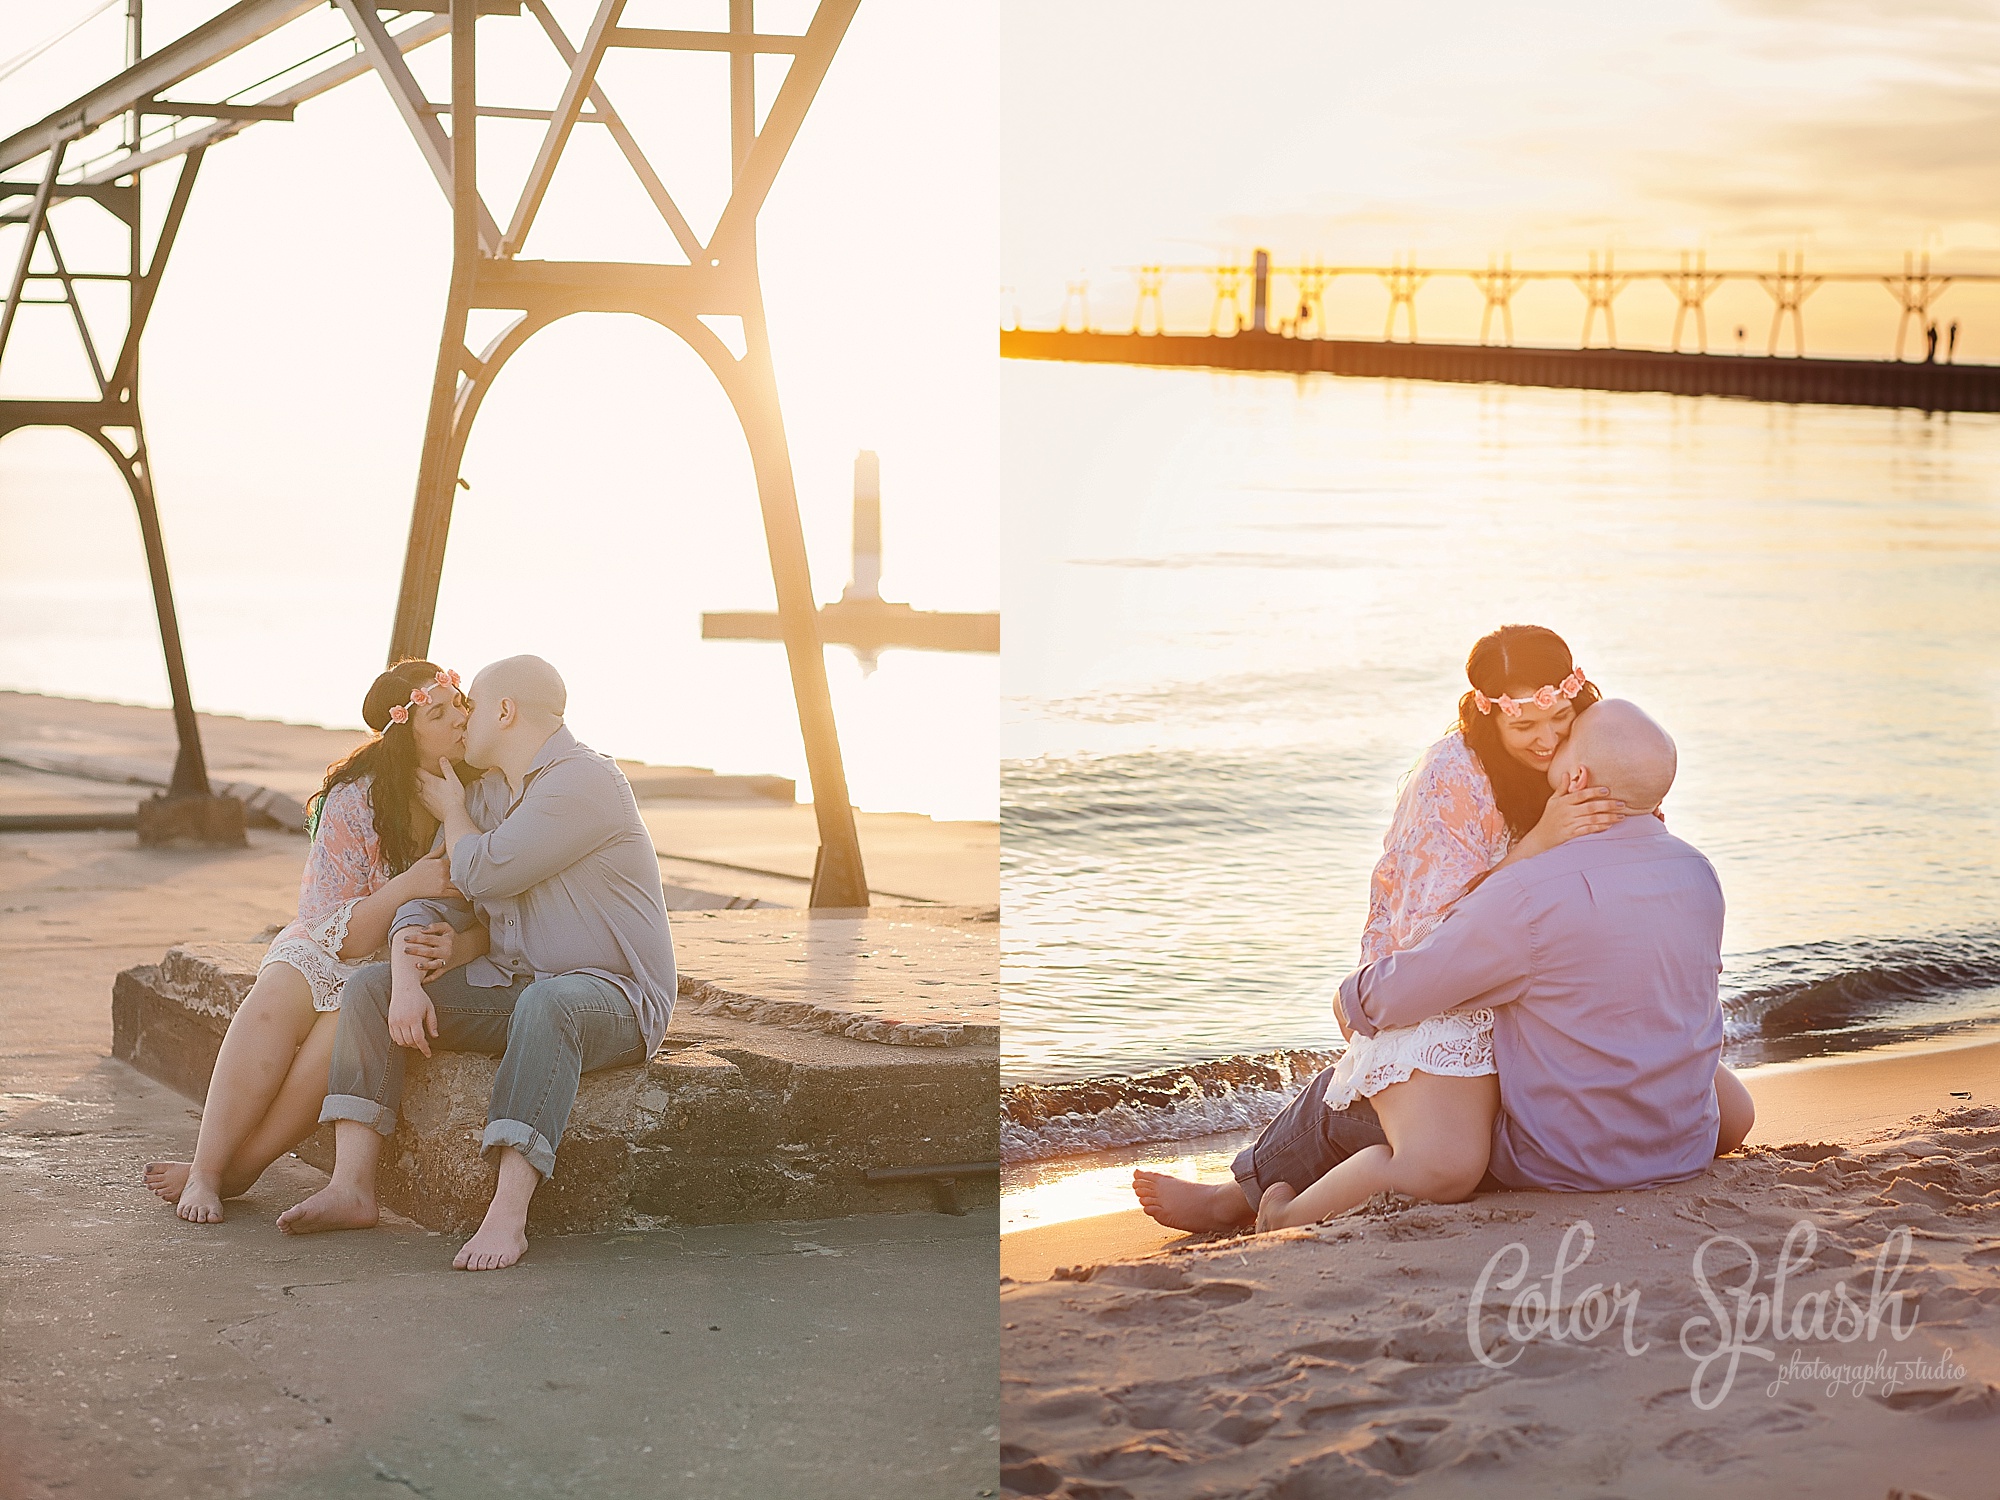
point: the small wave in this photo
(1802, 1000)
(1844, 985)
(1043, 1120)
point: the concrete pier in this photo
(1821, 382)
(818, 1065)
(146, 1356)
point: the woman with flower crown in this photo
(369, 836)
(1478, 799)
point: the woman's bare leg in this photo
(1739, 1111)
(1440, 1134)
(293, 1115)
(258, 1053)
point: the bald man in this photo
(1601, 960)
(558, 959)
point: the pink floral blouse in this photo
(343, 866)
(1447, 831)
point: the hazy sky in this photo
(1849, 129)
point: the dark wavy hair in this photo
(391, 759)
(1517, 660)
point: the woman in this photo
(1478, 799)
(369, 831)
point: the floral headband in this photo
(425, 695)
(1544, 697)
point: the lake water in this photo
(1239, 607)
(285, 603)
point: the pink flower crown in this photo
(1544, 697)
(400, 714)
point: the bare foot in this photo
(1195, 1206)
(1271, 1207)
(167, 1178)
(494, 1248)
(200, 1201)
(332, 1207)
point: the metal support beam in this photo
(117, 410)
(236, 28)
(387, 60)
(582, 74)
(720, 280)
(190, 777)
(174, 109)
(742, 83)
(683, 232)
(38, 216)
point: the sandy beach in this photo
(1339, 1360)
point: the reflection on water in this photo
(1239, 607)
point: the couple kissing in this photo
(477, 880)
(1537, 1005)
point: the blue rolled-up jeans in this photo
(547, 1033)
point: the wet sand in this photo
(1832, 1099)
(1337, 1360)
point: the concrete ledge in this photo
(733, 1120)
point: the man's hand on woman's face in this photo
(442, 793)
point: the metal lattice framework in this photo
(717, 281)
(1692, 284)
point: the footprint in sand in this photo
(1950, 1403)
(1172, 1306)
(1325, 1476)
(1134, 1460)
(1718, 1445)
(1059, 1405)
(1145, 1275)
(1957, 1306)
(1407, 1446)
(1214, 1399)
(1023, 1473)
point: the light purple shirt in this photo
(1601, 960)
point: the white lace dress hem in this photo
(1456, 1044)
(315, 954)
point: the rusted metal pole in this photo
(190, 777)
(437, 479)
(839, 879)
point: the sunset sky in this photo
(1849, 129)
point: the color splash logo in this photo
(1746, 1318)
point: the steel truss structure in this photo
(1692, 284)
(718, 281)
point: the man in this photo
(577, 971)
(1600, 959)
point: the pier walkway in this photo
(1825, 382)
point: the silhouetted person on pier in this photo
(1930, 343)
(1951, 344)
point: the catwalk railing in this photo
(1291, 299)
